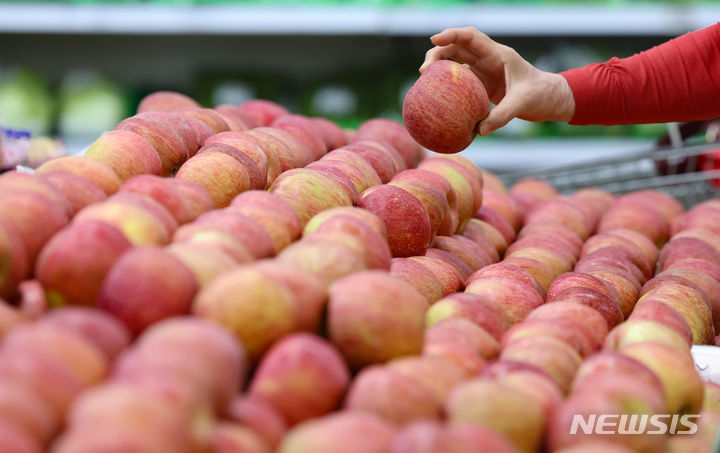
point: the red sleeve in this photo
(678, 80)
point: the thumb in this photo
(499, 116)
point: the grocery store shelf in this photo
(501, 155)
(647, 19)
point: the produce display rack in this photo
(689, 173)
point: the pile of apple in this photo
(243, 279)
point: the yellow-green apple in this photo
(395, 134)
(563, 211)
(516, 297)
(623, 282)
(223, 240)
(303, 376)
(663, 313)
(332, 134)
(374, 317)
(25, 411)
(229, 437)
(77, 190)
(450, 278)
(405, 218)
(579, 279)
(204, 261)
(634, 252)
(217, 122)
(346, 431)
(310, 192)
(258, 180)
(467, 164)
(566, 329)
(13, 181)
(197, 201)
(264, 157)
(599, 199)
(481, 231)
(472, 254)
(381, 159)
(595, 299)
(94, 171)
(310, 293)
(126, 153)
(220, 175)
(162, 136)
(259, 416)
(593, 322)
(500, 407)
(181, 125)
(434, 201)
(305, 130)
(354, 166)
(243, 228)
(640, 330)
(163, 191)
(450, 221)
(540, 271)
(74, 263)
(691, 304)
(688, 248)
(327, 258)
(394, 396)
(437, 374)
(505, 269)
(377, 251)
(462, 343)
(463, 268)
(419, 276)
(480, 310)
(163, 101)
(683, 387)
(494, 218)
(708, 285)
(139, 225)
(257, 308)
(443, 108)
(467, 188)
(14, 266)
(22, 212)
(612, 257)
(263, 111)
(554, 356)
(139, 279)
(638, 217)
(504, 205)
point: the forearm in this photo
(676, 81)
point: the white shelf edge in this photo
(411, 20)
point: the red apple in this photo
(126, 153)
(94, 171)
(164, 101)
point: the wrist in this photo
(563, 99)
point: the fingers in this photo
(469, 37)
(449, 52)
(500, 115)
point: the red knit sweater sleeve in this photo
(678, 80)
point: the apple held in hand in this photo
(442, 109)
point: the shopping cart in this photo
(690, 173)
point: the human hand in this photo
(517, 88)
